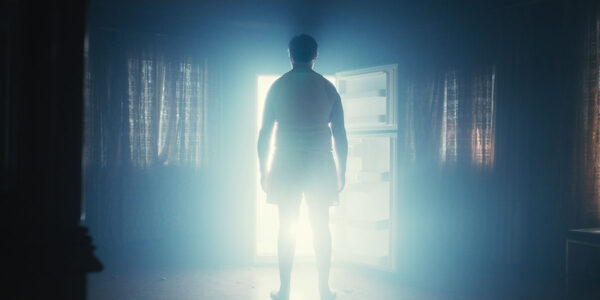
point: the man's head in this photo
(302, 49)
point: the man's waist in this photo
(302, 130)
(313, 144)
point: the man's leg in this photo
(286, 246)
(319, 218)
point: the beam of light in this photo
(267, 224)
(266, 215)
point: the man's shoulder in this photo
(292, 78)
(328, 84)
(279, 80)
(283, 78)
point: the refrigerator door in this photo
(364, 221)
(369, 97)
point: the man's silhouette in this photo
(308, 112)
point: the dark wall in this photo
(45, 251)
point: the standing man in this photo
(306, 112)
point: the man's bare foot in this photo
(280, 295)
(327, 294)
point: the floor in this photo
(248, 283)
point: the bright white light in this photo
(266, 215)
(267, 219)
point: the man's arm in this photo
(338, 130)
(264, 136)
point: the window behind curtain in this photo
(588, 208)
(182, 130)
(455, 123)
(483, 129)
(145, 109)
(166, 109)
(452, 118)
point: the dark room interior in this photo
(128, 166)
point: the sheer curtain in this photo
(146, 133)
(587, 189)
(454, 117)
(450, 126)
(483, 119)
(167, 111)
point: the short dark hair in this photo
(303, 48)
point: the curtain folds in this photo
(146, 134)
(483, 119)
(146, 105)
(167, 112)
(450, 118)
(587, 199)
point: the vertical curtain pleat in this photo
(155, 110)
(587, 200)
(483, 125)
(450, 117)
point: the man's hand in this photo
(341, 182)
(265, 181)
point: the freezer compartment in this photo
(368, 96)
(363, 85)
